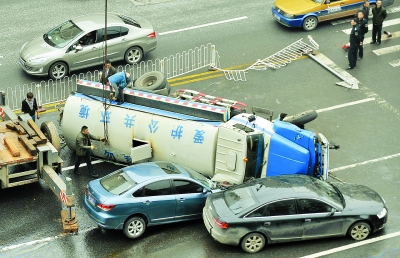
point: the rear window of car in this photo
(239, 199)
(117, 183)
(129, 21)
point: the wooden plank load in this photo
(12, 146)
(28, 145)
(39, 133)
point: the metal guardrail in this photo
(52, 91)
(275, 61)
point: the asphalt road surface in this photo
(364, 122)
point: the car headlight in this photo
(288, 15)
(38, 60)
(382, 213)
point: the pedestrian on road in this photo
(378, 15)
(365, 9)
(109, 70)
(363, 24)
(29, 106)
(354, 44)
(118, 82)
(84, 149)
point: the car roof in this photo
(284, 187)
(93, 21)
(151, 170)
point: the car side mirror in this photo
(78, 48)
(205, 191)
(332, 212)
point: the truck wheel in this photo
(51, 133)
(301, 118)
(134, 227)
(151, 81)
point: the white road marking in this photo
(203, 25)
(386, 23)
(365, 162)
(81, 165)
(395, 63)
(395, 34)
(347, 20)
(346, 247)
(344, 105)
(43, 240)
(386, 50)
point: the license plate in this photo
(91, 200)
(277, 17)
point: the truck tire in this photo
(151, 81)
(301, 118)
(50, 131)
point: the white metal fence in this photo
(53, 91)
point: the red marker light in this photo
(152, 35)
(106, 207)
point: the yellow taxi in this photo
(308, 13)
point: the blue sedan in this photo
(147, 194)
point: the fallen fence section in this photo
(275, 61)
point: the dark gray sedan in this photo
(79, 43)
(292, 208)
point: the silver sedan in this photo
(79, 43)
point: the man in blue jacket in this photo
(118, 82)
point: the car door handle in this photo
(307, 220)
(267, 223)
(124, 39)
(181, 199)
(147, 202)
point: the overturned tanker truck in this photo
(197, 131)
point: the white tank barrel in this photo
(186, 140)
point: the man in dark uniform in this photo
(354, 44)
(363, 24)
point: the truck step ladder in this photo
(196, 96)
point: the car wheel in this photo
(310, 23)
(359, 231)
(134, 227)
(50, 131)
(252, 243)
(301, 118)
(58, 70)
(151, 81)
(133, 55)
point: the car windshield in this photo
(200, 178)
(117, 183)
(328, 192)
(62, 35)
(239, 199)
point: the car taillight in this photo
(85, 190)
(106, 207)
(221, 224)
(152, 35)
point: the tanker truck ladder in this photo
(196, 96)
(275, 61)
(134, 98)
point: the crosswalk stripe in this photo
(395, 63)
(384, 37)
(347, 20)
(386, 50)
(385, 24)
